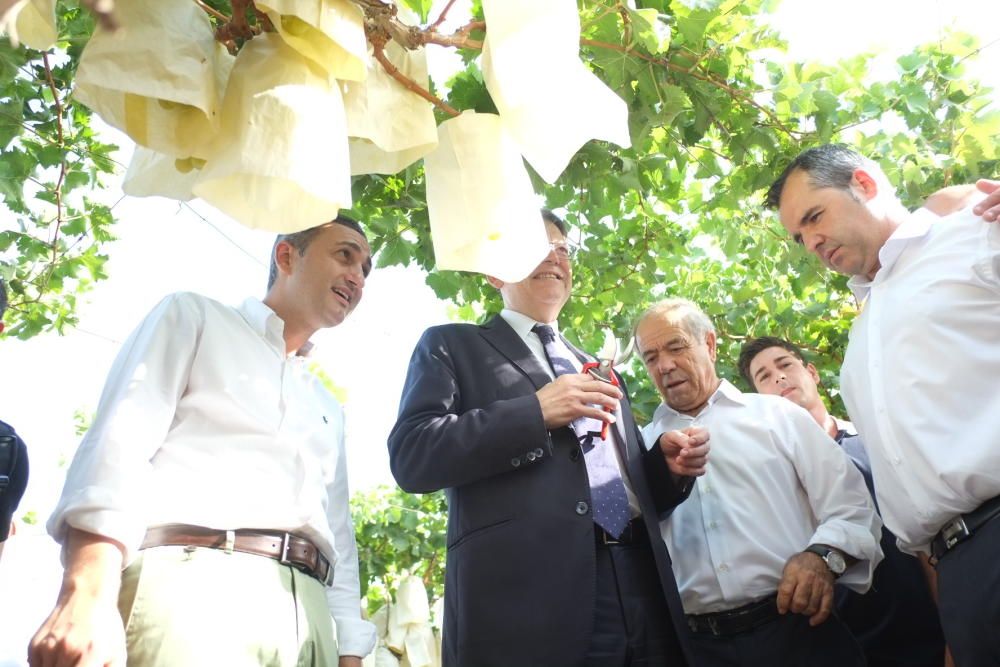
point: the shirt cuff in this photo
(355, 636)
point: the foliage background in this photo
(715, 110)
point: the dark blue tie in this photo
(607, 491)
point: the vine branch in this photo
(62, 148)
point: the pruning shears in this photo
(610, 356)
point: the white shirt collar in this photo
(916, 225)
(522, 324)
(727, 390)
(269, 326)
(845, 426)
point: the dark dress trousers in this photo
(520, 581)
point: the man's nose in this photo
(356, 277)
(813, 242)
(665, 364)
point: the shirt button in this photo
(515, 462)
(723, 568)
(582, 508)
(706, 489)
(713, 525)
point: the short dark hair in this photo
(828, 166)
(549, 216)
(301, 240)
(751, 349)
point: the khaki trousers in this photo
(191, 606)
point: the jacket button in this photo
(581, 508)
(530, 456)
(515, 462)
(574, 454)
(539, 453)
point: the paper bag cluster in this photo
(273, 136)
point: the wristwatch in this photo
(833, 558)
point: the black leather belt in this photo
(963, 527)
(287, 549)
(634, 534)
(735, 621)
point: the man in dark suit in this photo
(550, 563)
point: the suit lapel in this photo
(500, 335)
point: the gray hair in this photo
(692, 318)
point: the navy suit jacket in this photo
(521, 564)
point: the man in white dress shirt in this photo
(896, 621)
(779, 514)
(205, 517)
(920, 375)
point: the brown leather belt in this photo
(285, 548)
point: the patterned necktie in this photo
(607, 491)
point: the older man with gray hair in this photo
(779, 515)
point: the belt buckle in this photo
(285, 545)
(954, 532)
(328, 579)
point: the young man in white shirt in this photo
(896, 621)
(205, 517)
(920, 373)
(778, 515)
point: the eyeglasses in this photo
(562, 249)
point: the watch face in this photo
(835, 562)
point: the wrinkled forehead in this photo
(659, 329)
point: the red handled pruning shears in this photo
(604, 368)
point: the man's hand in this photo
(349, 661)
(686, 451)
(806, 587)
(577, 395)
(85, 628)
(989, 208)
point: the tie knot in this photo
(544, 333)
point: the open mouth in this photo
(787, 391)
(547, 275)
(343, 294)
(675, 384)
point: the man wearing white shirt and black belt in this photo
(208, 503)
(921, 373)
(779, 514)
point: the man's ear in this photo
(283, 259)
(863, 184)
(813, 373)
(496, 282)
(712, 344)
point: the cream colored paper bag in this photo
(389, 126)
(152, 174)
(30, 22)
(159, 78)
(547, 98)
(331, 33)
(279, 161)
(484, 215)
